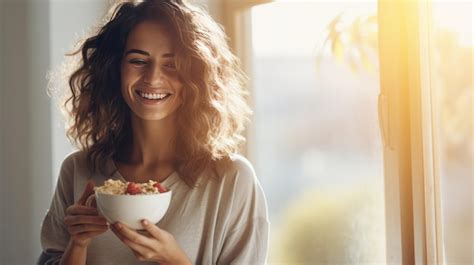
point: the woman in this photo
(158, 95)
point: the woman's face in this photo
(149, 80)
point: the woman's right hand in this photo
(83, 221)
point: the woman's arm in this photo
(68, 227)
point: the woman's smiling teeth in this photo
(152, 95)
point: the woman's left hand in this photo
(157, 246)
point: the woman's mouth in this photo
(153, 97)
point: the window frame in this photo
(413, 218)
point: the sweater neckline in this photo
(115, 173)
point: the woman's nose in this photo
(153, 76)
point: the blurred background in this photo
(314, 139)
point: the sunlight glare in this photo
(282, 21)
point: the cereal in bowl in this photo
(118, 187)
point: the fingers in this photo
(81, 210)
(86, 228)
(88, 190)
(154, 230)
(78, 219)
(83, 222)
(91, 234)
(142, 252)
(140, 249)
(126, 234)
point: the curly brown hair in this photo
(211, 119)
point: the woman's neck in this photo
(152, 142)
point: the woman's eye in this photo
(137, 62)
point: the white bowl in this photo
(132, 209)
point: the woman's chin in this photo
(150, 116)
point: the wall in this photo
(31, 138)
(25, 138)
(2, 96)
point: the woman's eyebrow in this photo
(166, 55)
(137, 51)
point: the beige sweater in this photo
(221, 221)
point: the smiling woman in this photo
(157, 95)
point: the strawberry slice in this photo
(160, 187)
(133, 188)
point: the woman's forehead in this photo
(150, 36)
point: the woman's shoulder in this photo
(75, 158)
(237, 169)
(75, 163)
(241, 164)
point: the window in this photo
(316, 143)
